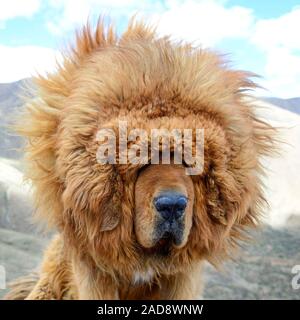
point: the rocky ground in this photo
(262, 271)
(20, 253)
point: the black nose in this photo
(170, 205)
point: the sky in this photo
(261, 36)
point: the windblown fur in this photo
(152, 82)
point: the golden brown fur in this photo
(152, 82)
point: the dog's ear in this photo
(111, 212)
(215, 205)
(92, 197)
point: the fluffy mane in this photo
(144, 78)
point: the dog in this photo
(140, 230)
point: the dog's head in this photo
(124, 214)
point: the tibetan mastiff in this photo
(140, 229)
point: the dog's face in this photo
(164, 201)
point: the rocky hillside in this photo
(15, 198)
(20, 253)
(262, 270)
(10, 102)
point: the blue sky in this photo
(260, 36)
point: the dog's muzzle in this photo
(170, 207)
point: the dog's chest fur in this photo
(142, 286)
(143, 277)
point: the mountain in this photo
(282, 180)
(9, 94)
(292, 104)
(15, 198)
(10, 103)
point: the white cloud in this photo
(206, 22)
(282, 73)
(282, 31)
(21, 62)
(17, 8)
(278, 39)
(69, 15)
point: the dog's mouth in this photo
(169, 231)
(163, 246)
(164, 243)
